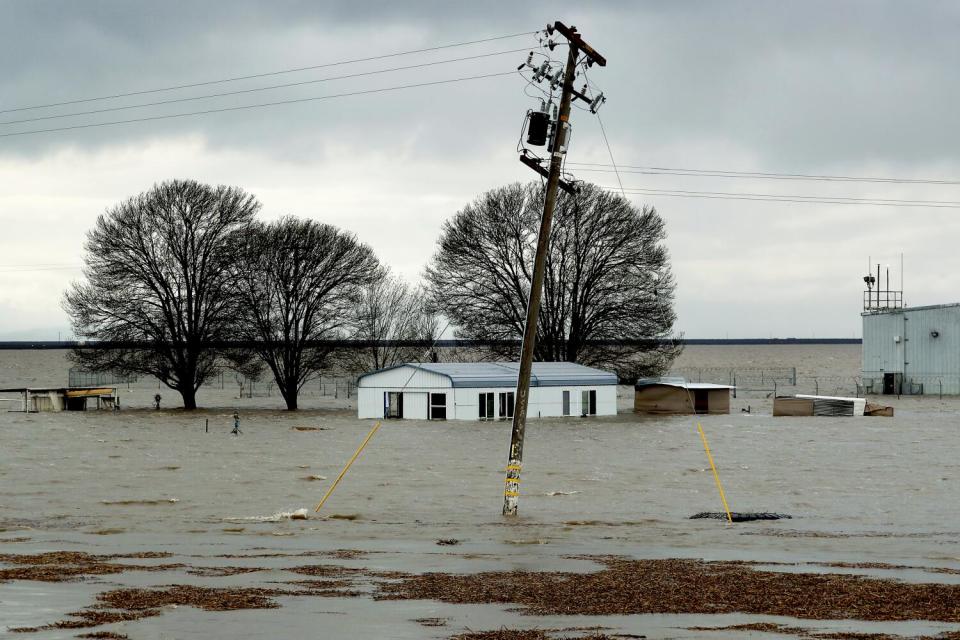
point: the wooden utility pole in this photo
(511, 492)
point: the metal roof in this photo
(504, 374)
(680, 383)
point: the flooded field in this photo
(203, 511)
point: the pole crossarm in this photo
(534, 164)
(570, 33)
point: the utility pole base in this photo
(511, 493)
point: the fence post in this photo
(816, 383)
(734, 386)
(940, 381)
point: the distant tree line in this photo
(186, 265)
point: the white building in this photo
(912, 350)
(484, 391)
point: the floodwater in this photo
(859, 490)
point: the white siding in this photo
(415, 405)
(415, 384)
(462, 402)
(545, 402)
(404, 377)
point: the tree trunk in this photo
(189, 398)
(290, 393)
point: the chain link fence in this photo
(773, 381)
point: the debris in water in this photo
(444, 542)
(431, 622)
(677, 586)
(315, 477)
(738, 516)
(130, 503)
(561, 493)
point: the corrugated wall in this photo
(410, 377)
(926, 360)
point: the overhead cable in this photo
(719, 173)
(268, 73)
(258, 89)
(256, 106)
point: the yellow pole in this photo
(716, 476)
(350, 462)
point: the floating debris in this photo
(740, 516)
(431, 622)
(447, 542)
(675, 586)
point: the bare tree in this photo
(389, 310)
(607, 278)
(299, 281)
(157, 271)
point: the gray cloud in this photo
(814, 87)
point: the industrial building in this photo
(677, 396)
(484, 391)
(913, 350)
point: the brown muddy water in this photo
(875, 495)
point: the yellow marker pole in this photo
(716, 476)
(350, 462)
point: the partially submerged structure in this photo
(912, 350)
(805, 405)
(484, 391)
(677, 396)
(65, 398)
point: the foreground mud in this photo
(690, 586)
(621, 587)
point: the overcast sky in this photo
(835, 88)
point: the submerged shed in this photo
(807, 405)
(677, 396)
(36, 400)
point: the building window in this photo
(566, 403)
(438, 406)
(393, 404)
(486, 406)
(506, 405)
(588, 403)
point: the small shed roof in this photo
(504, 374)
(679, 383)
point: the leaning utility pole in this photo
(558, 149)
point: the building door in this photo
(701, 401)
(393, 404)
(438, 406)
(889, 384)
(506, 405)
(566, 403)
(588, 403)
(486, 406)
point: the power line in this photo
(760, 197)
(719, 173)
(257, 106)
(268, 73)
(258, 89)
(610, 151)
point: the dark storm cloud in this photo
(801, 84)
(814, 87)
